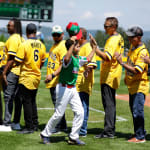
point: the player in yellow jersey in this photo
(137, 81)
(84, 84)
(2, 63)
(11, 72)
(31, 56)
(110, 75)
(2, 55)
(56, 54)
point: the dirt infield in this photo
(126, 98)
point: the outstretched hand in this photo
(85, 73)
(92, 41)
(145, 58)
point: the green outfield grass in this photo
(14, 141)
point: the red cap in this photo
(74, 30)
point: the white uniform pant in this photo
(64, 96)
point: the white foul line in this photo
(119, 119)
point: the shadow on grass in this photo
(148, 137)
(42, 126)
(123, 135)
(91, 131)
(56, 139)
(96, 131)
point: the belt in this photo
(68, 86)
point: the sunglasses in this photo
(105, 26)
(56, 34)
(131, 37)
(8, 25)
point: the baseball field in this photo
(124, 125)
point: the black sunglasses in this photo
(8, 25)
(131, 37)
(56, 34)
(105, 26)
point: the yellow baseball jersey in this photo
(110, 72)
(2, 54)
(31, 53)
(56, 55)
(85, 84)
(12, 45)
(2, 59)
(137, 82)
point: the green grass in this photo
(14, 141)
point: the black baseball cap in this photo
(134, 31)
(31, 28)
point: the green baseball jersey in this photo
(69, 72)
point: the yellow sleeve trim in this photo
(108, 55)
(92, 64)
(11, 53)
(139, 69)
(18, 59)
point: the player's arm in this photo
(8, 67)
(69, 54)
(126, 66)
(12, 47)
(71, 43)
(42, 64)
(94, 47)
(146, 59)
(110, 48)
(101, 54)
(43, 56)
(88, 70)
(53, 75)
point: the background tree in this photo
(101, 38)
(125, 37)
(147, 43)
(3, 38)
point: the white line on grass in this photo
(88, 121)
(119, 119)
(96, 91)
(49, 108)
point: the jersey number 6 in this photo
(36, 57)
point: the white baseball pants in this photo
(64, 96)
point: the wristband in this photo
(53, 76)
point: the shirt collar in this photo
(35, 38)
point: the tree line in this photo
(100, 37)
